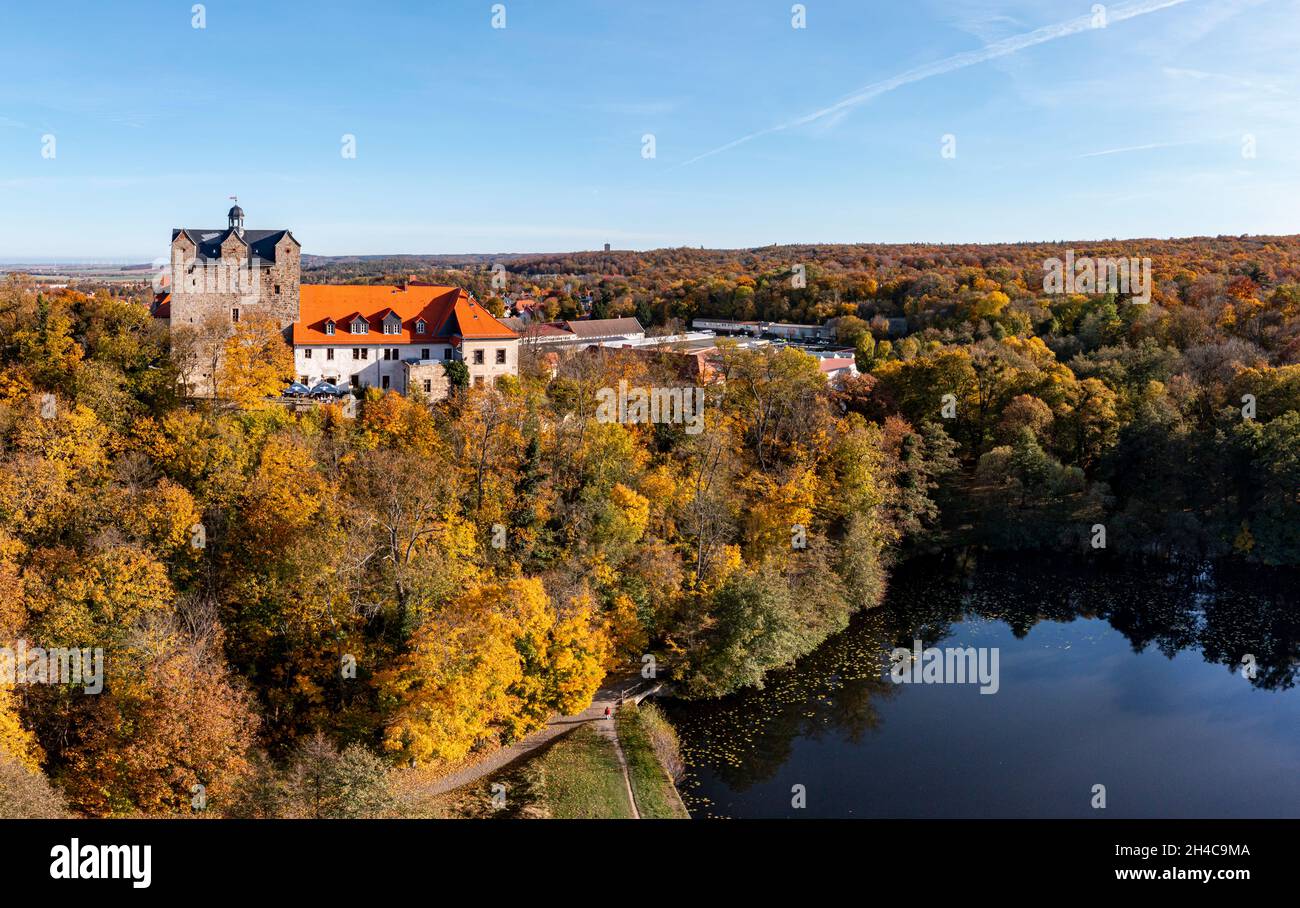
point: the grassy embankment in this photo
(653, 759)
(579, 777)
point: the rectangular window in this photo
(277, 289)
(329, 329)
(446, 354)
(428, 386)
(478, 357)
(329, 353)
(234, 316)
(306, 354)
(501, 357)
(365, 353)
(424, 354)
(385, 353)
(356, 353)
(397, 354)
(356, 381)
(383, 382)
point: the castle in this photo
(234, 273)
(347, 334)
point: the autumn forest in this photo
(307, 613)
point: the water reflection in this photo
(1078, 701)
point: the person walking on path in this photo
(606, 712)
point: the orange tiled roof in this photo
(447, 312)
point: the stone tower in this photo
(222, 276)
(234, 273)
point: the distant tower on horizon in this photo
(607, 247)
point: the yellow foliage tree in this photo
(632, 513)
(161, 515)
(283, 499)
(563, 657)
(80, 600)
(453, 685)
(16, 740)
(779, 514)
(256, 364)
(13, 612)
(498, 659)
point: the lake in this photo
(1119, 674)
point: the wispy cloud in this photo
(992, 51)
(1128, 148)
(1198, 75)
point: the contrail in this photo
(958, 61)
(1128, 148)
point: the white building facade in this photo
(370, 336)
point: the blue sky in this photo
(471, 138)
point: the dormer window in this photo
(420, 326)
(329, 327)
(392, 323)
(360, 326)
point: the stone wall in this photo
(430, 371)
